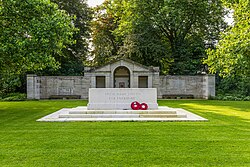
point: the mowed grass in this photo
(222, 141)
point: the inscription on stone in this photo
(121, 98)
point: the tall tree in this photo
(231, 58)
(232, 54)
(105, 43)
(32, 31)
(170, 34)
(76, 54)
(186, 25)
(144, 45)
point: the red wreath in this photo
(144, 106)
(135, 105)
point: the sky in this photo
(93, 3)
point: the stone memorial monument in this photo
(121, 98)
(120, 91)
(123, 73)
(116, 104)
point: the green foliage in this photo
(232, 55)
(105, 43)
(9, 83)
(75, 54)
(222, 141)
(232, 98)
(170, 34)
(185, 25)
(141, 41)
(234, 85)
(14, 97)
(145, 46)
(32, 32)
(231, 58)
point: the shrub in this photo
(14, 97)
(232, 98)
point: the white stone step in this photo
(99, 116)
(121, 112)
(162, 114)
(122, 116)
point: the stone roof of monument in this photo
(150, 68)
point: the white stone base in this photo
(160, 114)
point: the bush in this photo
(232, 98)
(233, 86)
(247, 98)
(14, 97)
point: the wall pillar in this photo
(211, 85)
(208, 86)
(33, 87)
(150, 81)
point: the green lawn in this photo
(223, 141)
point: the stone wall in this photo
(42, 87)
(201, 86)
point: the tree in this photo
(231, 58)
(144, 45)
(75, 54)
(32, 31)
(170, 34)
(232, 54)
(105, 44)
(187, 26)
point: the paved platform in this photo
(82, 114)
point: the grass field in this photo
(222, 141)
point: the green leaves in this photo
(158, 32)
(231, 58)
(232, 54)
(32, 31)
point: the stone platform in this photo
(83, 114)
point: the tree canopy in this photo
(232, 54)
(231, 58)
(75, 54)
(181, 37)
(32, 31)
(171, 34)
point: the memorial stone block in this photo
(121, 98)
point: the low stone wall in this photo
(43, 87)
(201, 86)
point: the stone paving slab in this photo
(65, 115)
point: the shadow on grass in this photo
(227, 111)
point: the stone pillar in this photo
(208, 86)
(132, 79)
(33, 87)
(135, 80)
(107, 80)
(93, 81)
(211, 85)
(150, 81)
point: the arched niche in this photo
(122, 77)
